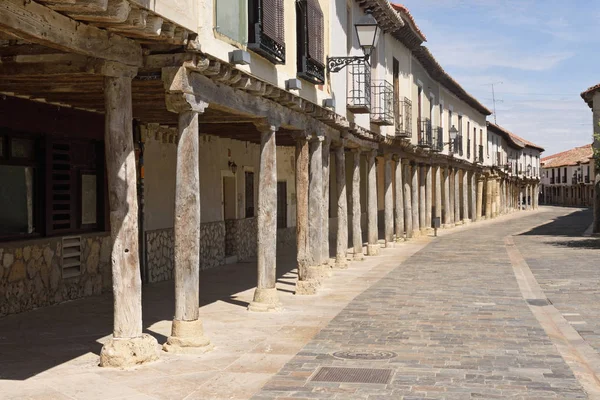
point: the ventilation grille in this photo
(353, 375)
(71, 256)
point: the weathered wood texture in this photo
(357, 242)
(428, 195)
(372, 231)
(120, 165)
(473, 195)
(388, 201)
(408, 213)
(415, 198)
(488, 198)
(438, 192)
(315, 202)
(326, 184)
(267, 209)
(465, 195)
(38, 24)
(422, 196)
(457, 204)
(302, 242)
(342, 206)
(447, 196)
(399, 200)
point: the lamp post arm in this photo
(336, 64)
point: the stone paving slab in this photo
(455, 316)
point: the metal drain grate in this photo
(353, 375)
(365, 355)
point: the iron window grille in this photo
(266, 33)
(438, 139)
(311, 53)
(382, 101)
(359, 87)
(425, 133)
(404, 118)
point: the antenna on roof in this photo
(494, 98)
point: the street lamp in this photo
(453, 134)
(528, 169)
(367, 31)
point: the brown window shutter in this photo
(316, 49)
(272, 20)
(60, 189)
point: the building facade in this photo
(592, 97)
(567, 177)
(144, 141)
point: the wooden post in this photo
(399, 200)
(488, 197)
(457, 218)
(372, 229)
(128, 346)
(448, 206)
(414, 173)
(187, 333)
(408, 214)
(428, 196)
(302, 256)
(265, 295)
(342, 208)
(422, 194)
(438, 192)
(326, 181)
(479, 198)
(357, 242)
(315, 202)
(388, 202)
(465, 196)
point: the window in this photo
(49, 187)
(266, 33)
(310, 31)
(249, 193)
(232, 19)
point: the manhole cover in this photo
(352, 375)
(365, 355)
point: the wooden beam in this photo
(60, 64)
(116, 12)
(36, 23)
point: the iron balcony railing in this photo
(564, 179)
(480, 155)
(359, 88)
(580, 178)
(425, 133)
(437, 143)
(404, 118)
(382, 102)
(587, 179)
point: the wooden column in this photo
(428, 196)
(265, 295)
(315, 202)
(465, 196)
(302, 243)
(342, 208)
(438, 192)
(473, 196)
(372, 229)
(408, 222)
(187, 333)
(415, 198)
(357, 242)
(127, 283)
(422, 194)
(326, 180)
(388, 202)
(488, 197)
(448, 206)
(399, 201)
(480, 182)
(457, 203)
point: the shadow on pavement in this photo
(590, 244)
(570, 225)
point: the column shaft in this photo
(356, 209)
(422, 194)
(315, 202)
(399, 200)
(408, 221)
(388, 202)
(302, 252)
(438, 193)
(457, 203)
(372, 230)
(488, 197)
(465, 196)
(415, 198)
(428, 196)
(326, 180)
(447, 197)
(342, 207)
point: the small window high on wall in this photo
(310, 36)
(266, 32)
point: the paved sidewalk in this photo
(457, 320)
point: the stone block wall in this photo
(212, 244)
(286, 238)
(159, 254)
(240, 237)
(31, 273)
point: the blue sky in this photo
(545, 53)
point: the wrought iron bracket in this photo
(336, 64)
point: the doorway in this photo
(281, 205)
(229, 198)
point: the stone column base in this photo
(265, 300)
(341, 263)
(307, 287)
(466, 221)
(358, 256)
(390, 244)
(187, 337)
(372, 249)
(129, 352)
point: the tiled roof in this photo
(570, 157)
(515, 140)
(589, 94)
(405, 13)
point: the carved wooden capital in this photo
(264, 126)
(182, 102)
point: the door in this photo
(281, 205)
(228, 197)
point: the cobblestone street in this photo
(462, 325)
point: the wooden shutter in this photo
(266, 30)
(315, 30)
(60, 213)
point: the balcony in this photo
(404, 118)
(437, 144)
(382, 103)
(574, 180)
(498, 159)
(425, 133)
(359, 88)
(480, 155)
